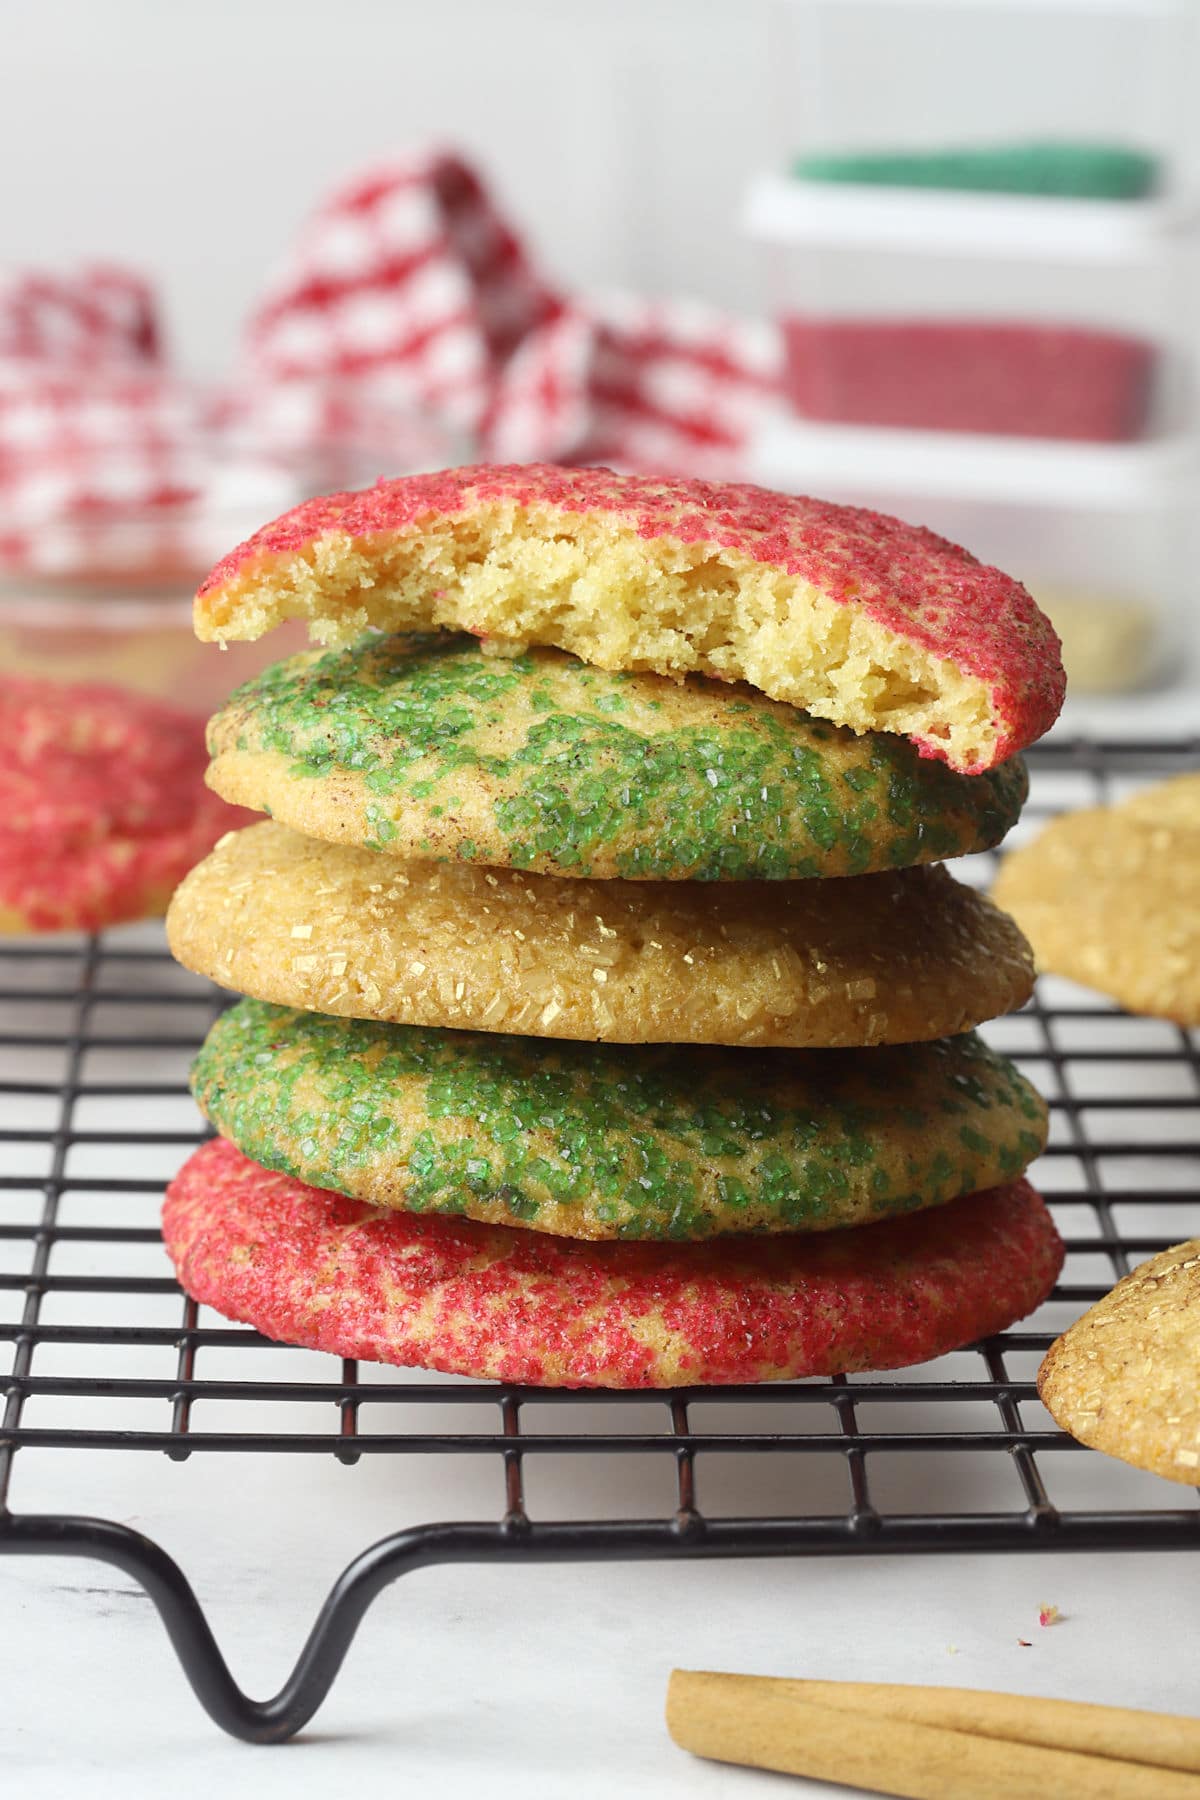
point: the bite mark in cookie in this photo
(852, 615)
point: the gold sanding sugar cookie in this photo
(1175, 803)
(1126, 1377)
(870, 959)
(1109, 898)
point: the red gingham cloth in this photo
(409, 327)
(90, 421)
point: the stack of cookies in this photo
(609, 1018)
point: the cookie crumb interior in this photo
(526, 574)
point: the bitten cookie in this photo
(1125, 1378)
(591, 1142)
(427, 747)
(328, 1273)
(1109, 897)
(102, 805)
(872, 959)
(854, 616)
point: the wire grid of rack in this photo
(95, 1038)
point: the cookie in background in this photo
(103, 803)
(1125, 1378)
(1110, 897)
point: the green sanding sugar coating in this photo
(1070, 170)
(597, 1141)
(428, 747)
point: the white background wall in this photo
(190, 137)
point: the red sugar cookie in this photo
(854, 616)
(309, 1267)
(103, 807)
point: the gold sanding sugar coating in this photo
(1110, 897)
(1175, 803)
(872, 959)
(1125, 1378)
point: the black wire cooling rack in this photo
(97, 1033)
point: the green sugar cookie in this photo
(427, 747)
(600, 1142)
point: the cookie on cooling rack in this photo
(426, 747)
(1108, 897)
(1125, 1378)
(854, 616)
(1174, 803)
(871, 959)
(316, 1269)
(102, 805)
(589, 1141)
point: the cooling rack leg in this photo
(685, 1536)
(255, 1721)
(188, 1629)
(275, 1720)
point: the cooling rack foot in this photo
(254, 1721)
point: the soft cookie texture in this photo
(1125, 1378)
(872, 959)
(103, 806)
(1111, 898)
(852, 615)
(329, 1273)
(591, 1142)
(427, 747)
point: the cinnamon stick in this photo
(935, 1743)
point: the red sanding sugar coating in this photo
(103, 807)
(81, 762)
(908, 580)
(312, 1268)
(1043, 381)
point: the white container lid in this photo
(1149, 9)
(785, 209)
(1146, 9)
(800, 456)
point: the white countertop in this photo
(519, 1680)
(538, 1682)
